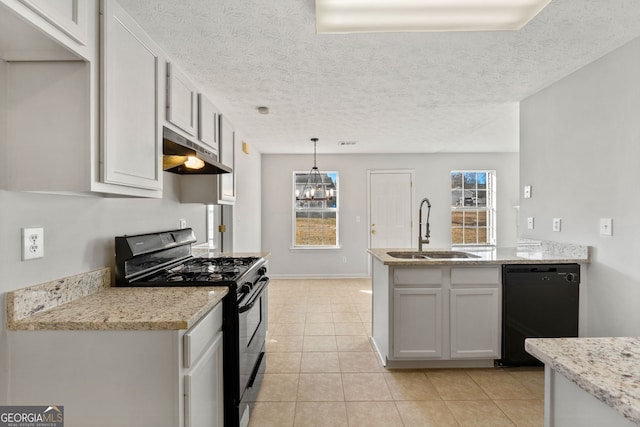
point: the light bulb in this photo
(194, 163)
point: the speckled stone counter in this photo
(534, 253)
(86, 302)
(606, 368)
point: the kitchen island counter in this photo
(536, 254)
(580, 370)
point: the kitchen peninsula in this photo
(590, 382)
(445, 311)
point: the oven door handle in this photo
(248, 306)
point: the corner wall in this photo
(579, 150)
(432, 179)
(79, 236)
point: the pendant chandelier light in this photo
(316, 187)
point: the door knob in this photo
(373, 231)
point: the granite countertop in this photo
(88, 302)
(606, 368)
(128, 309)
(545, 252)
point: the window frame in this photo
(334, 210)
(489, 209)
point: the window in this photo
(473, 212)
(315, 216)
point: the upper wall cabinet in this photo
(87, 125)
(70, 16)
(227, 181)
(208, 123)
(130, 127)
(47, 30)
(182, 98)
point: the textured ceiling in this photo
(393, 92)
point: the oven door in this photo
(252, 328)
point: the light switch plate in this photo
(557, 224)
(530, 223)
(606, 227)
(527, 191)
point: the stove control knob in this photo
(246, 288)
(262, 271)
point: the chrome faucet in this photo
(427, 233)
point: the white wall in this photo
(248, 209)
(580, 151)
(3, 337)
(79, 236)
(432, 180)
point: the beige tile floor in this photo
(321, 371)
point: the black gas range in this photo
(165, 259)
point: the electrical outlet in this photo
(530, 223)
(527, 191)
(606, 227)
(182, 223)
(32, 243)
(557, 224)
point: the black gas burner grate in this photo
(205, 270)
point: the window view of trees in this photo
(473, 207)
(315, 209)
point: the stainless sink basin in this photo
(432, 255)
(408, 255)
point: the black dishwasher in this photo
(538, 301)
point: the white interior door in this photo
(391, 208)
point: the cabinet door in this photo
(475, 323)
(226, 182)
(129, 92)
(208, 123)
(69, 16)
(417, 323)
(203, 389)
(181, 100)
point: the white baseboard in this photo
(318, 276)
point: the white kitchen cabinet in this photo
(227, 181)
(47, 30)
(130, 102)
(474, 312)
(436, 316)
(417, 323)
(123, 378)
(475, 323)
(203, 389)
(88, 125)
(70, 16)
(181, 103)
(208, 124)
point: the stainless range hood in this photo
(176, 150)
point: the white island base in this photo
(590, 382)
(567, 405)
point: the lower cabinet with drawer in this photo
(436, 316)
(123, 378)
